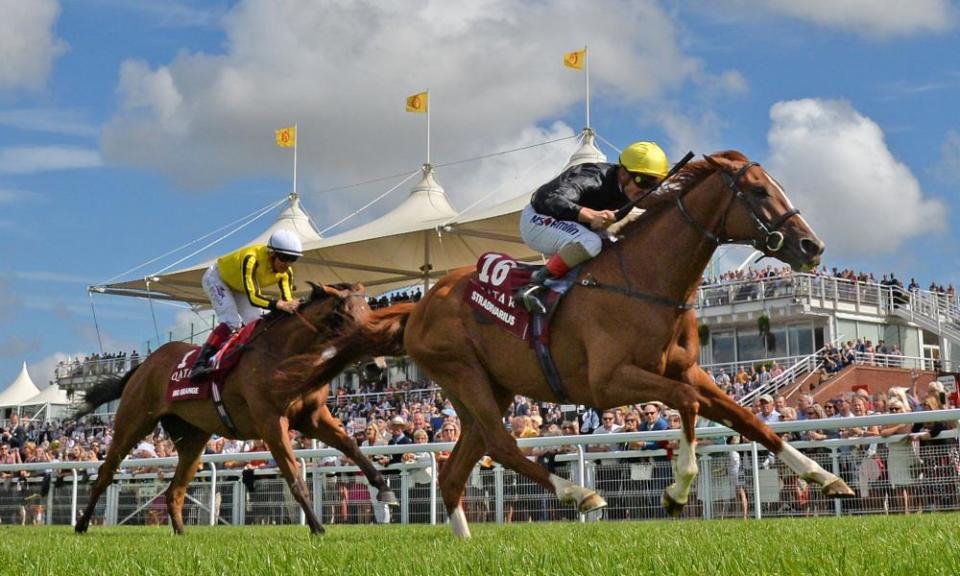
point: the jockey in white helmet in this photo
(233, 284)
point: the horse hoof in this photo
(319, 531)
(80, 529)
(388, 498)
(672, 507)
(590, 503)
(838, 489)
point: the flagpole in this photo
(429, 106)
(296, 139)
(586, 67)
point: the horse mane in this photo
(379, 333)
(687, 178)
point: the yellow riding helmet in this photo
(645, 158)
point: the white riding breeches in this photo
(548, 235)
(231, 307)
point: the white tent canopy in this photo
(52, 394)
(22, 388)
(416, 243)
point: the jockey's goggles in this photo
(644, 181)
(288, 258)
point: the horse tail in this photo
(379, 334)
(103, 392)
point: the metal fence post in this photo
(303, 476)
(756, 480)
(433, 489)
(319, 479)
(498, 492)
(835, 463)
(214, 510)
(112, 503)
(405, 500)
(582, 473)
(706, 481)
(73, 496)
(236, 515)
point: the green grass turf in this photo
(913, 545)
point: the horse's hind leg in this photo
(274, 433)
(478, 398)
(720, 408)
(456, 470)
(131, 424)
(326, 428)
(190, 442)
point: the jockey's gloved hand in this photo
(288, 306)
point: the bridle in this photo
(770, 238)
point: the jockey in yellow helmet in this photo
(565, 214)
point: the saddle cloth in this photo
(490, 293)
(181, 388)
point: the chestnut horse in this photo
(256, 408)
(627, 336)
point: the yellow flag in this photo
(575, 59)
(287, 137)
(418, 102)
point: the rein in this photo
(772, 238)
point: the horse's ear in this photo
(317, 290)
(728, 161)
(331, 291)
(721, 161)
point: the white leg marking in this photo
(567, 492)
(686, 471)
(458, 522)
(805, 467)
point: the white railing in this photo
(219, 495)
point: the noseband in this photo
(770, 238)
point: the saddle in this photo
(490, 295)
(181, 388)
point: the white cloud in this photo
(342, 70)
(837, 168)
(868, 17)
(53, 120)
(31, 159)
(28, 45)
(42, 372)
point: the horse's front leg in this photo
(630, 384)
(675, 496)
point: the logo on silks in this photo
(491, 292)
(551, 222)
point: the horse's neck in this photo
(666, 254)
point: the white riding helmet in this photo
(285, 242)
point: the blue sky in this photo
(129, 128)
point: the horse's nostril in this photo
(811, 247)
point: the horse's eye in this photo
(760, 191)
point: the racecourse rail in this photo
(631, 481)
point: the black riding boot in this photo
(202, 367)
(528, 295)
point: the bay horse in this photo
(256, 408)
(628, 335)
